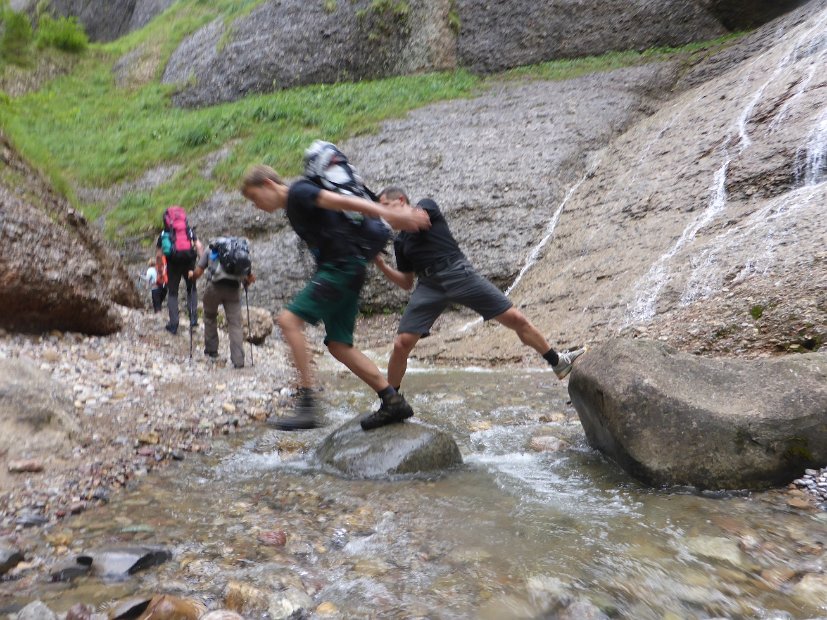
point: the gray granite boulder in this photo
(671, 418)
(408, 448)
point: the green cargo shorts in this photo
(332, 296)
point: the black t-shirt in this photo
(416, 251)
(320, 229)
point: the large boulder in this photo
(292, 42)
(408, 448)
(36, 412)
(55, 270)
(671, 418)
(499, 35)
(106, 20)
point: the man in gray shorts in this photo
(446, 277)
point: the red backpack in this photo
(181, 234)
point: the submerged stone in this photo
(120, 562)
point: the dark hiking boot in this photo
(394, 409)
(305, 416)
(172, 329)
(566, 360)
(212, 354)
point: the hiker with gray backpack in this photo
(228, 268)
(334, 214)
(179, 244)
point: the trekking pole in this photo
(189, 308)
(249, 329)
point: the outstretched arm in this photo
(399, 218)
(402, 279)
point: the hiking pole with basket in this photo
(249, 329)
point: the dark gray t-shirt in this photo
(416, 251)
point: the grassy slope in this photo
(85, 131)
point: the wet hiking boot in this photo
(394, 408)
(566, 359)
(306, 414)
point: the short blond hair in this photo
(257, 175)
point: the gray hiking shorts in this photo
(458, 283)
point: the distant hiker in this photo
(228, 268)
(446, 277)
(156, 281)
(332, 294)
(179, 244)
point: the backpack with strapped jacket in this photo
(326, 166)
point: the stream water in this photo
(513, 533)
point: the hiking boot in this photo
(306, 415)
(566, 359)
(172, 329)
(394, 409)
(212, 354)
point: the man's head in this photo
(393, 196)
(264, 188)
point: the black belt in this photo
(438, 266)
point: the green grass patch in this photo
(97, 134)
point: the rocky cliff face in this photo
(106, 20)
(55, 271)
(291, 42)
(702, 225)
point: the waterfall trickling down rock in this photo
(784, 102)
(811, 159)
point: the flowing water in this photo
(512, 533)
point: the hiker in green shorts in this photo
(332, 294)
(444, 277)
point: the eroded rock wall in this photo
(55, 270)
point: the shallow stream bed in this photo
(533, 522)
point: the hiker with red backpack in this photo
(179, 244)
(343, 230)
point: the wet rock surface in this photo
(396, 449)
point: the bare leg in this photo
(292, 330)
(358, 364)
(528, 334)
(403, 344)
